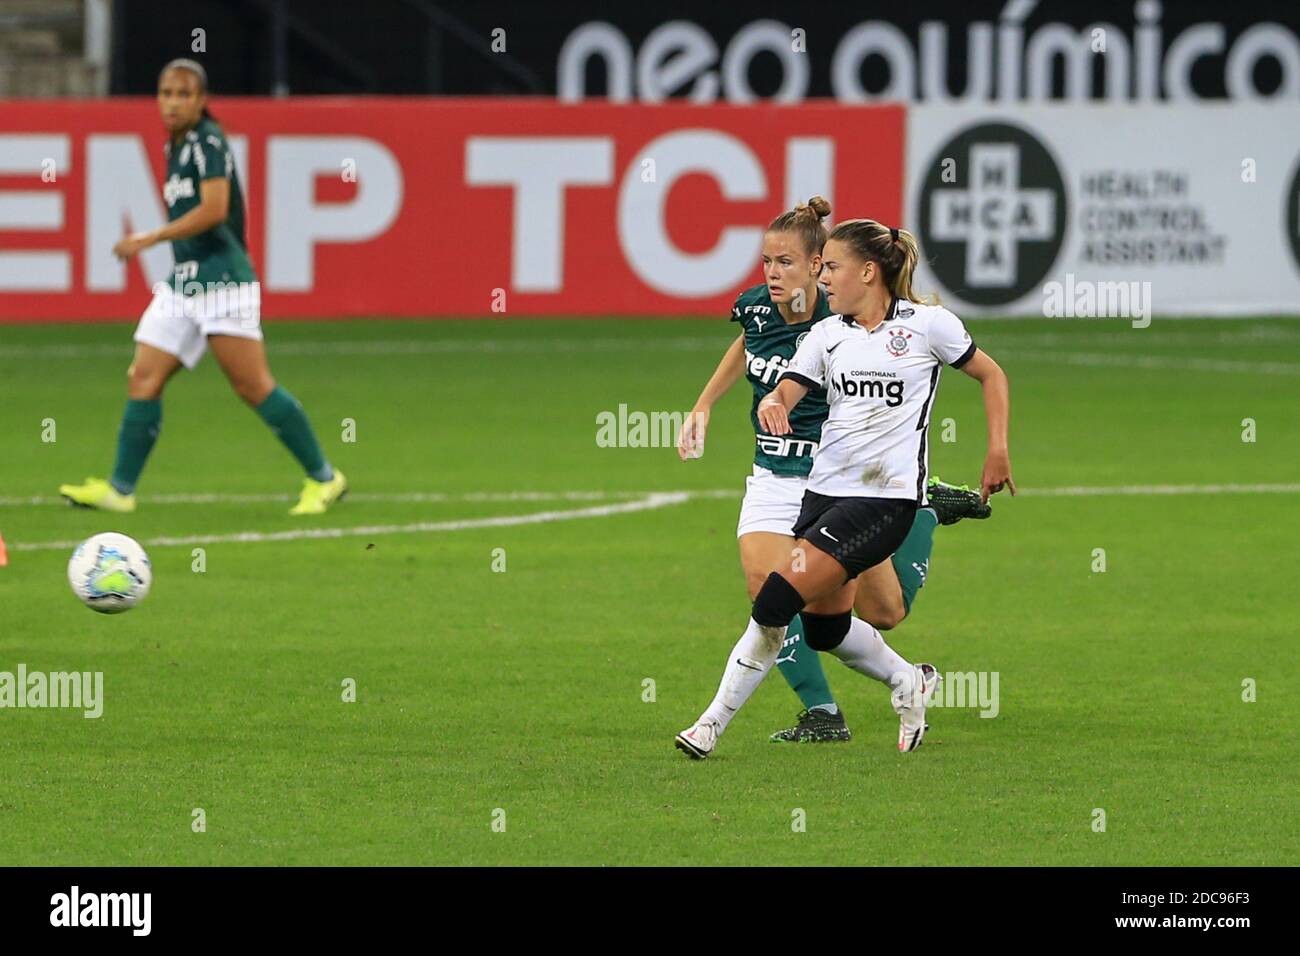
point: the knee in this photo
(886, 619)
(883, 612)
(754, 582)
(825, 632)
(253, 389)
(144, 383)
(777, 602)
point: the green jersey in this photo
(770, 343)
(221, 253)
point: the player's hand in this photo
(132, 244)
(773, 417)
(997, 474)
(690, 441)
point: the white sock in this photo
(750, 660)
(865, 650)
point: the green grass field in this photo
(523, 690)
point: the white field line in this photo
(1262, 336)
(404, 347)
(641, 501)
(1086, 491)
(417, 497)
(436, 497)
(648, 503)
(1113, 360)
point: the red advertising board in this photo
(410, 207)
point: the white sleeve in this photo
(950, 343)
(808, 367)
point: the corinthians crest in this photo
(897, 344)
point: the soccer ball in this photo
(110, 573)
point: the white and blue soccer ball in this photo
(110, 573)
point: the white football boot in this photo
(698, 740)
(910, 702)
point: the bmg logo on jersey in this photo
(892, 391)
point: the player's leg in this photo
(821, 580)
(166, 338)
(886, 591)
(859, 646)
(878, 525)
(761, 552)
(821, 720)
(243, 360)
(147, 376)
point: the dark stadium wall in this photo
(722, 51)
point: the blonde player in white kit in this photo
(878, 361)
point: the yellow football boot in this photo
(98, 493)
(317, 496)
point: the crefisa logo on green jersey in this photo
(766, 370)
(176, 188)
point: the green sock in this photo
(284, 414)
(801, 666)
(141, 422)
(912, 559)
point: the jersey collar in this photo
(891, 313)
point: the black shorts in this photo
(859, 533)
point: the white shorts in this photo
(772, 502)
(180, 325)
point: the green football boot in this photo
(814, 726)
(954, 502)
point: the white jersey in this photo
(880, 388)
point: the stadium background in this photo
(406, 182)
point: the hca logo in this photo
(994, 231)
(1293, 214)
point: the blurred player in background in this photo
(213, 303)
(774, 318)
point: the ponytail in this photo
(805, 221)
(894, 250)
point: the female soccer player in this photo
(213, 303)
(878, 361)
(774, 317)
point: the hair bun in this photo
(820, 206)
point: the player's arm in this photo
(997, 410)
(213, 207)
(807, 371)
(774, 409)
(690, 443)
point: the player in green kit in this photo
(213, 302)
(774, 318)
